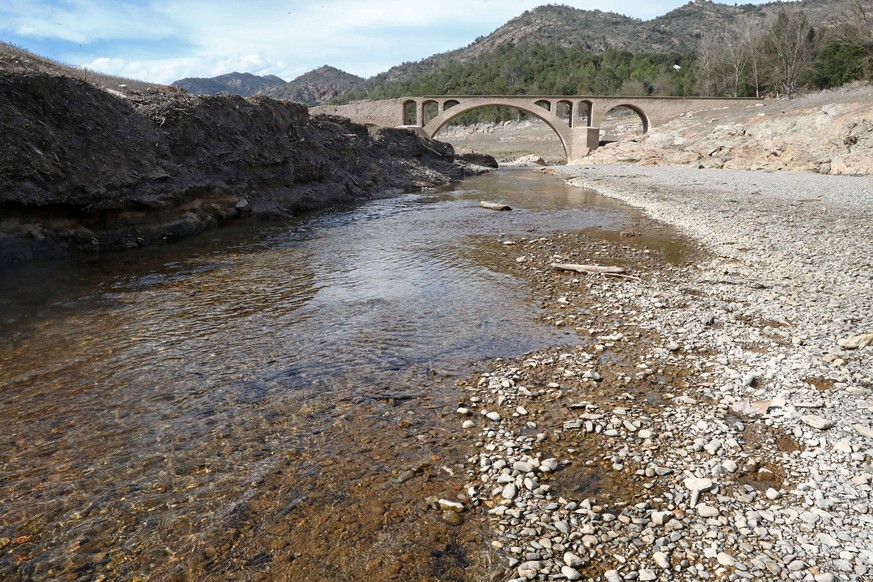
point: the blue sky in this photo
(164, 40)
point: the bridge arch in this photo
(584, 109)
(410, 112)
(558, 125)
(626, 105)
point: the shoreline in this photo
(712, 422)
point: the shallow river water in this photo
(145, 396)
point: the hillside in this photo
(322, 84)
(678, 31)
(243, 84)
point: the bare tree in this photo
(722, 59)
(788, 49)
(737, 57)
(707, 65)
(750, 40)
(855, 23)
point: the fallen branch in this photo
(494, 206)
(588, 268)
(631, 277)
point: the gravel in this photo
(714, 426)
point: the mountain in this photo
(678, 31)
(322, 84)
(244, 84)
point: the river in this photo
(149, 398)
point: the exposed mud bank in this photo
(86, 169)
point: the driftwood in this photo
(597, 269)
(588, 268)
(494, 206)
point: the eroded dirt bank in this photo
(87, 169)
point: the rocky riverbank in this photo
(715, 420)
(86, 167)
(829, 132)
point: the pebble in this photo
(818, 422)
(722, 473)
(661, 559)
(509, 491)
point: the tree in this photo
(788, 49)
(727, 61)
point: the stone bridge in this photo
(575, 119)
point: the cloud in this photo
(83, 21)
(163, 40)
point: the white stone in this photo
(661, 559)
(863, 430)
(698, 483)
(509, 491)
(548, 465)
(704, 510)
(523, 466)
(449, 505)
(573, 560)
(493, 416)
(529, 570)
(725, 559)
(818, 422)
(661, 517)
(570, 573)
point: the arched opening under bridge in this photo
(623, 122)
(505, 132)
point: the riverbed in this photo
(268, 389)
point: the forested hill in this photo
(595, 31)
(701, 48)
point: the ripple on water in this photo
(144, 394)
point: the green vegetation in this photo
(753, 55)
(546, 69)
(785, 53)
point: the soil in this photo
(94, 168)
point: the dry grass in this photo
(19, 60)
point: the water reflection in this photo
(144, 394)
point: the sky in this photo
(165, 40)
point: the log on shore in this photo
(494, 205)
(588, 268)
